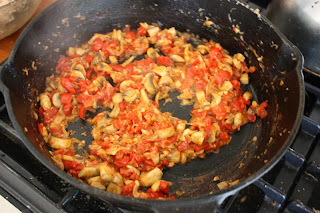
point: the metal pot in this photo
(299, 21)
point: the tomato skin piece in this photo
(164, 60)
(40, 128)
(66, 83)
(142, 31)
(82, 110)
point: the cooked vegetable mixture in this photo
(134, 140)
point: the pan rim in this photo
(113, 198)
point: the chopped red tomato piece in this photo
(164, 60)
(66, 83)
(142, 31)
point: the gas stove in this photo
(293, 185)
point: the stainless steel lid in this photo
(299, 21)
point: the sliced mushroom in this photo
(124, 85)
(56, 100)
(152, 31)
(106, 173)
(128, 61)
(115, 111)
(152, 53)
(177, 58)
(130, 95)
(150, 84)
(203, 49)
(45, 102)
(198, 137)
(96, 182)
(216, 99)
(244, 79)
(88, 172)
(80, 68)
(103, 67)
(149, 178)
(117, 98)
(226, 86)
(165, 80)
(59, 143)
(201, 98)
(144, 96)
(99, 81)
(77, 74)
(160, 70)
(165, 133)
(113, 59)
(114, 188)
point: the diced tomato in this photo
(81, 112)
(164, 60)
(201, 84)
(66, 83)
(251, 69)
(164, 186)
(67, 108)
(142, 31)
(58, 152)
(215, 53)
(63, 63)
(40, 128)
(131, 35)
(97, 44)
(66, 98)
(261, 111)
(122, 162)
(221, 77)
(182, 146)
(117, 67)
(86, 100)
(122, 105)
(251, 117)
(236, 85)
(219, 111)
(52, 112)
(138, 158)
(161, 125)
(88, 58)
(224, 136)
(72, 165)
(127, 189)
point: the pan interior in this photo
(275, 80)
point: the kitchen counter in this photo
(7, 43)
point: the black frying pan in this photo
(68, 23)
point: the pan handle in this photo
(3, 66)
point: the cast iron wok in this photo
(278, 79)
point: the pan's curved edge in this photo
(157, 204)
